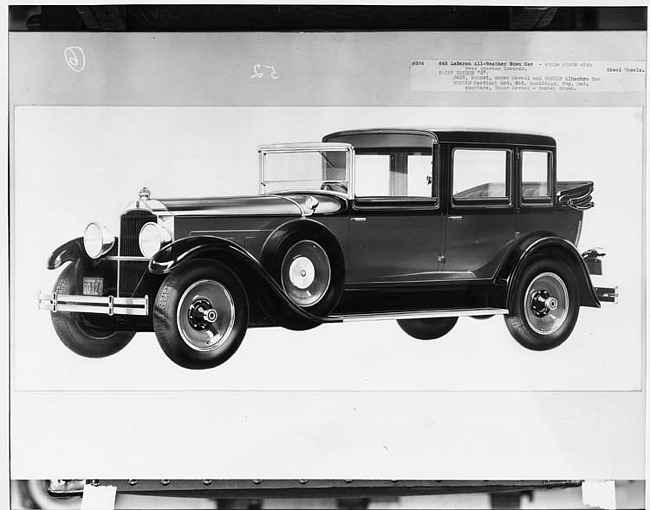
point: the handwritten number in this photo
(75, 58)
(258, 73)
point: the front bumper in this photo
(107, 305)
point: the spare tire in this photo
(308, 264)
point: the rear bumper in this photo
(607, 294)
(106, 305)
(592, 259)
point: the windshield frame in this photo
(265, 150)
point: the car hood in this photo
(285, 204)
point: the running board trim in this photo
(421, 314)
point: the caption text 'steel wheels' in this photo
(544, 306)
(427, 329)
(201, 315)
(77, 333)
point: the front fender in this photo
(68, 252)
(249, 270)
(538, 244)
(179, 252)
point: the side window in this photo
(536, 177)
(372, 175)
(395, 174)
(481, 176)
(419, 178)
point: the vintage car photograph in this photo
(418, 225)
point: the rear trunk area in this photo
(575, 194)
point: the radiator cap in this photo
(144, 193)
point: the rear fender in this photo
(253, 275)
(547, 245)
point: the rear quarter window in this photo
(536, 181)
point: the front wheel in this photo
(427, 329)
(77, 333)
(201, 315)
(544, 305)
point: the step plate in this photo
(421, 314)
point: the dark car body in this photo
(417, 243)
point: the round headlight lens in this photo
(97, 240)
(152, 238)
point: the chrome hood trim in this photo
(286, 204)
(154, 206)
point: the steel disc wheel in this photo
(206, 315)
(546, 303)
(544, 307)
(306, 273)
(200, 314)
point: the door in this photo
(395, 234)
(482, 218)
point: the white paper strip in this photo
(98, 498)
(600, 494)
(502, 75)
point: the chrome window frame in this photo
(432, 202)
(263, 150)
(545, 200)
(506, 202)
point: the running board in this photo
(421, 314)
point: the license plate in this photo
(93, 286)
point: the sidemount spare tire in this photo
(76, 332)
(200, 314)
(307, 262)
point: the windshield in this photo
(309, 170)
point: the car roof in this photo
(416, 137)
(303, 146)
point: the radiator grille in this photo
(131, 272)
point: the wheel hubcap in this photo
(200, 314)
(206, 315)
(302, 273)
(546, 303)
(306, 273)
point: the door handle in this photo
(357, 218)
(455, 218)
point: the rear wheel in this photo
(427, 329)
(201, 315)
(544, 305)
(77, 333)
